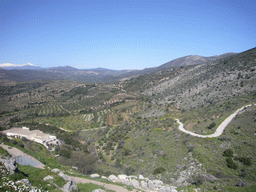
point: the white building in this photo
(34, 135)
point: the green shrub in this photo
(127, 152)
(158, 170)
(59, 181)
(231, 164)
(65, 153)
(17, 176)
(196, 179)
(245, 160)
(4, 152)
(228, 153)
(129, 170)
(211, 125)
(118, 163)
(243, 173)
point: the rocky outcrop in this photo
(158, 183)
(122, 177)
(210, 177)
(10, 165)
(141, 177)
(144, 185)
(168, 189)
(151, 186)
(165, 189)
(55, 171)
(65, 177)
(49, 177)
(135, 184)
(94, 175)
(24, 181)
(112, 178)
(70, 185)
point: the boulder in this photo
(165, 189)
(144, 185)
(70, 186)
(173, 189)
(65, 177)
(94, 175)
(49, 177)
(135, 183)
(55, 171)
(103, 177)
(10, 165)
(158, 183)
(122, 177)
(151, 185)
(112, 178)
(98, 190)
(141, 177)
(132, 177)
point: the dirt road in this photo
(105, 185)
(220, 128)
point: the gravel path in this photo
(105, 185)
(219, 130)
(94, 129)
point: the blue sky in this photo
(125, 34)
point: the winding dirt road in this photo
(220, 128)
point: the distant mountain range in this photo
(26, 72)
(10, 66)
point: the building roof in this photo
(26, 132)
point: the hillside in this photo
(128, 126)
(192, 60)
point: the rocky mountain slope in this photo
(192, 60)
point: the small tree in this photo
(231, 164)
(65, 152)
(228, 153)
(129, 170)
(211, 125)
(245, 160)
(127, 152)
(159, 170)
